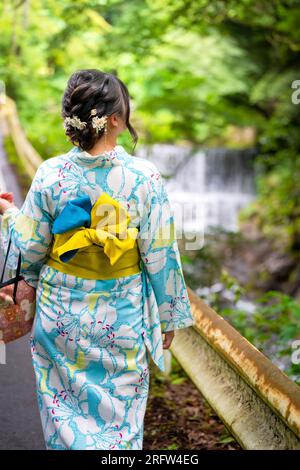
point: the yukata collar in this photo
(109, 156)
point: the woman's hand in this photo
(6, 201)
(169, 335)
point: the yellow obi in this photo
(94, 242)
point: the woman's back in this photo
(103, 299)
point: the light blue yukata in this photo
(91, 338)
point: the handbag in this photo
(17, 304)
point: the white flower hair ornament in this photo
(74, 122)
(98, 122)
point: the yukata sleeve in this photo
(161, 258)
(30, 230)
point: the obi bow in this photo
(81, 225)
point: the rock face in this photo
(262, 264)
(258, 264)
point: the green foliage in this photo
(272, 328)
(181, 81)
(226, 438)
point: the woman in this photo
(96, 234)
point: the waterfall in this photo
(207, 187)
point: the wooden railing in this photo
(257, 402)
(11, 126)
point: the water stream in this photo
(207, 186)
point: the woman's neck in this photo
(101, 146)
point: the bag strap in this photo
(17, 277)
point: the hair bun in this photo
(90, 97)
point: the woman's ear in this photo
(114, 120)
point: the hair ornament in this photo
(98, 122)
(74, 122)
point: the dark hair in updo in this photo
(88, 89)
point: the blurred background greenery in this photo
(209, 73)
